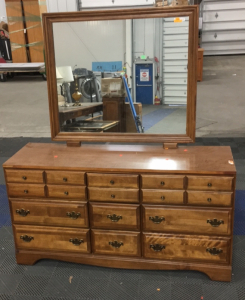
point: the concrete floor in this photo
(220, 102)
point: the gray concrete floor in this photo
(220, 102)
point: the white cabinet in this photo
(223, 27)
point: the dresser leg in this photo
(222, 274)
(27, 258)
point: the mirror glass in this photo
(127, 76)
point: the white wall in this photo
(3, 14)
(81, 43)
(61, 5)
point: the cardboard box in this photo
(112, 87)
(179, 2)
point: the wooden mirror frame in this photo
(154, 12)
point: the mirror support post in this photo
(73, 144)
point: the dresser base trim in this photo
(215, 272)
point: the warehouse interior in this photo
(140, 43)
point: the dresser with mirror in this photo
(121, 191)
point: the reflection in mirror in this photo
(123, 76)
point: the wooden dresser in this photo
(137, 207)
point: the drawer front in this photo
(117, 216)
(113, 180)
(176, 30)
(50, 213)
(209, 199)
(181, 43)
(25, 190)
(163, 197)
(66, 192)
(189, 248)
(113, 195)
(164, 219)
(162, 182)
(25, 176)
(116, 242)
(52, 238)
(210, 183)
(65, 177)
(174, 56)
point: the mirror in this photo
(129, 77)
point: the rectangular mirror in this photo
(122, 76)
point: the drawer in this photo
(117, 216)
(189, 248)
(162, 182)
(163, 196)
(181, 43)
(66, 192)
(176, 30)
(65, 177)
(175, 93)
(25, 190)
(25, 176)
(211, 183)
(52, 238)
(175, 56)
(176, 69)
(209, 198)
(49, 213)
(113, 180)
(116, 242)
(174, 37)
(208, 221)
(113, 195)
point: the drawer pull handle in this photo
(66, 193)
(26, 191)
(157, 247)
(215, 222)
(114, 218)
(22, 212)
(76, 242)
(156, 219)
(162, 183)
(162, 197)
(214, 251)
(24, 177)
(65, 179)
(116, 244)
(209, 199)
(112, 182)
(112, 196)
(26, 238)
(73, 215)
(209, 184)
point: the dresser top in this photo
(122, 158)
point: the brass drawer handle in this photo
(209, 184)
(73, 215)
(26, 191)
(116, 244)
(66, 193)
(112, 196)
(156, 219)
(157, 247)
(76, 242)
(209, 199)
(162, 183)
(114, 218)
(24, 177)
(214, 251)
(215, 222)
(112, 182)
(65, 179)
(22, 212)
(162, 197)
(26, 238)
